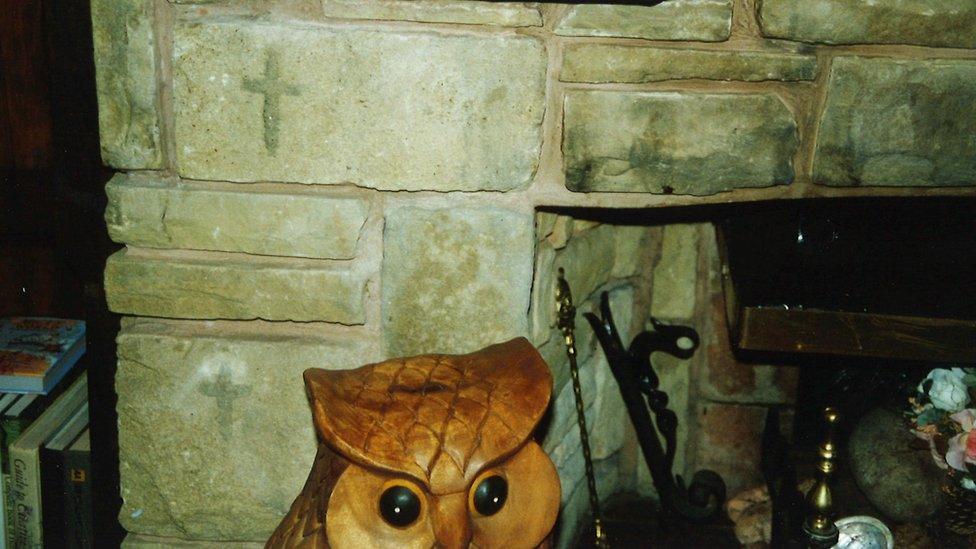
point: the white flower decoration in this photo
(948, 392)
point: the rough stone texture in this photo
(542, 317)
(705, 20)
(568, 456)
(729, 442)
(455, 280)
(377, 108)
(232, 289)
(160, 214)
(898, 122)
(587, 62)
(923, 22)
(554, 350)
(608, 406)
(560, 439)
(135, 541)
(676, 142)
(125, 75)
(562, 229)
(631, 247)
(464, 12)
(591, 258)
(893, 468)
(576, 505)
(676, 273)
(215, 433)
(588, 261)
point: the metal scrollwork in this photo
(639, 387)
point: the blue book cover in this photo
(35, 353)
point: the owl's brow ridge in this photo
(481, 425)
(442, 435)
(376, 424)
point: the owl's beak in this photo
(452, 527)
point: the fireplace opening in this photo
(883, 259)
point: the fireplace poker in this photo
(566, 314)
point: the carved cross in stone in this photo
(225, 392)
(272, 88)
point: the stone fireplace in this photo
(327, 183)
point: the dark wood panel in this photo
(28, 280)
(24, 96)
(856, 334)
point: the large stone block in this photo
(395, 110)
(232, 288)
(705, 20)
(923, 22)
(125, 76)
(147, 211)
(215, 432)
(898, 123)
(508, 14)
(588, 62)
(676, 142)
(455, 280)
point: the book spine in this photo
(78, 505)
(25, 484)
(53, 498)
(4, 490)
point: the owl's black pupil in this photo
(399, 506)
(490, 495)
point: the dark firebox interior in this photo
(904, 258)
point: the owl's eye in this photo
(399, 506)
(490, 495)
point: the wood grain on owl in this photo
(428, 451)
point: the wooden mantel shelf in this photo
(855, 334)
(883, 278)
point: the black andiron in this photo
(634, 372)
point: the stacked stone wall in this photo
(325, 183)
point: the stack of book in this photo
(44, 440)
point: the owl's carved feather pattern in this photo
(441, 419)
(423, 415)
(304, 525)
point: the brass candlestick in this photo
(819, 526)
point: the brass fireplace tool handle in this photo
(566, 314)
(819, 527)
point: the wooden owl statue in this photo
(428, 451)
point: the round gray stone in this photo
(897, 476)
